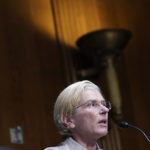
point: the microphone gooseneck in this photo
(124, 124)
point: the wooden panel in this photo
(135, 17)
(35, 37)
(31, 73)
(76, 18)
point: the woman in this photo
(81, 115)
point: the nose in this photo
(103, 109)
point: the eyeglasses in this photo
(96, 104)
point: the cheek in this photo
(86, 118)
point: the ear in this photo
(68, 122)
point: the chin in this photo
(103, 133)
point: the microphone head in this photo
(123, 124)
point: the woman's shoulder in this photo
(60, 147)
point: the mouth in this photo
(103, 122)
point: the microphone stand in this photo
(126, 125)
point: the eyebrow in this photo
(95, 100)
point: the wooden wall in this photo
(32, 72)
(35, 37)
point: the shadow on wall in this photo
(32, 76)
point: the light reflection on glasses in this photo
(95, 104)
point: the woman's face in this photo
(90, 119)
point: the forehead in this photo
(91, 94)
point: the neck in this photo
(88, 143)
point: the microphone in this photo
(124, 124)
